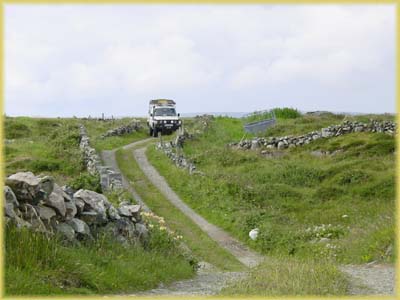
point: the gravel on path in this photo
(370, 279)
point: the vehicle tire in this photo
(150, 131)
(155, 133)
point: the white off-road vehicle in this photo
(162, 117)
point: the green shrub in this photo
(286, 113)
(117, 196)
(86, 181)
(42, 165)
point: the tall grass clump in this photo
(278, 113)
(37, 264)
(287, 276)
(286, 113)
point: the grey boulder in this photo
(66, 231)
(93, 201)
(80, 227)
(56, 201)
(46, 213)
(128, 210)
(29, 188)
(71, 210)
(10, 196)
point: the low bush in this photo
(286, 113)
(48, 165)
(86, 181)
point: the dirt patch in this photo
(206, 282)
(373, 279)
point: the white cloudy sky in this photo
(64, 60)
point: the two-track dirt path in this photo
(364, 279)
(208, 280)
(108, 157)
(236, 248)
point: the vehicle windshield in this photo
(164, 111)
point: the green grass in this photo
(101, 267)
(295, 200)
(284, 196)
(96, 128)
(47, 146)
(201, 245)
(35, 265)
(279, 113)
(280, 277)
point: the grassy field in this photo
(37, 265)
(48, 146)
(329, 209)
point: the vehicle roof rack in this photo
(162, 102)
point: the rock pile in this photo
(109, 179)
(174, 149)
(202, 122)
(181, 137)
(131, 127)
(40, 204)
(346, 127)
(171, 150)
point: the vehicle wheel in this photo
(150, 131)
(155, 133)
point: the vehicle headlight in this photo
(164, 121)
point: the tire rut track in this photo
(246, 256)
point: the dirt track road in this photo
(373, 279)
(237, 249)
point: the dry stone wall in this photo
(346, 127)
(42, 205)
(173, 150)
(109, 179)
(131, 127)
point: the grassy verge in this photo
(101, 267)
(202, 246)
(280, 277)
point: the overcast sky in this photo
(65, 60)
